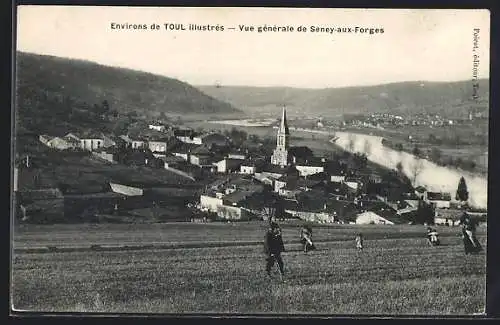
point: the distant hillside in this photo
(49, 87)
(451, 98)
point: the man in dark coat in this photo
(273, 247)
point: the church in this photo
(280, 155)
(296, 159)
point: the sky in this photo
(416, 44)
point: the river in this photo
(432, 176)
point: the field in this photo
(218, 268)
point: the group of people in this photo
(470, 241)
(273, 245)
(273, 241)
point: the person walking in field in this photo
(471, 244)
(273, 247)
(359, 241)
(306, 238)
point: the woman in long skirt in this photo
(471, 244)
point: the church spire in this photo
(284, 124)
(280, 155)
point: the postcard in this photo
(250, 161)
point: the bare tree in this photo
(415, 170)
(367, 148)
(351, 142)
(399, 167)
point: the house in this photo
(109, 141)
(44, 138)
(285, 180)
(137, 157)
(438, 199)
(337, 178)
(420, 192)
(370, 217)
(59, 143)
(183, 150)
(159, 146)
(309, 169)
(226, 198)
(237, 155)
(91, 140)
(157, 127)
(312, 208)
(107, 154)
(72, 140)
(188, 136)
(172, 161)
(248, 168)
(133, 143)
(352, 183)
(200, 156)
(210, 203)
(228, 165)
(252, 166)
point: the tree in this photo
(425, 213)
(415, 170)
(351, 142)
(416, 151)
(435, 154)
(367, 148)
(105, 106)
(462, 192)
(399, 167)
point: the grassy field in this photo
(397, 272)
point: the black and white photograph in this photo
(249, 161)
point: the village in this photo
(240, 182)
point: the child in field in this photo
(306, 238)
(359, 241)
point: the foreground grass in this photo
(399, 275)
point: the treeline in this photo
(434, 154)
(457, 140)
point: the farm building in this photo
(126, 189)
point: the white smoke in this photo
(432, 176)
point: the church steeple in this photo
(284, 124)
(280, 155)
